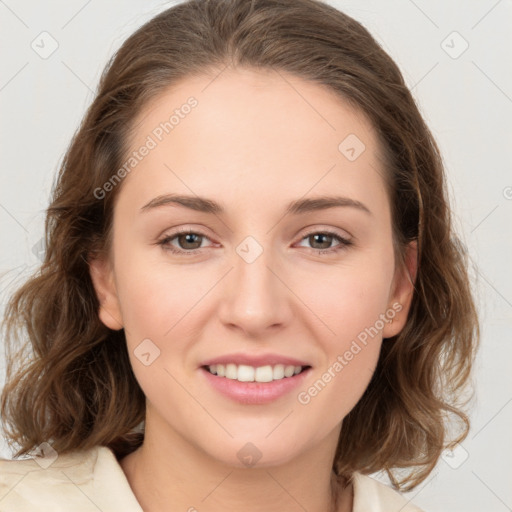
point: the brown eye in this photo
(321, 241)
(189, 240)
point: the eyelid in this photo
(326, 229)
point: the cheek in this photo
(155, 295)
(347, 299)
(338, 387)
(351, 346)
(352, 307)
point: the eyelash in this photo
(344, 242)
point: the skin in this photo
(253, 144)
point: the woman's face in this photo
(249, 280)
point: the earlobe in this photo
(402, 291)
(102, 277)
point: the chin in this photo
(257, 454)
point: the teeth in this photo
(231, 371)
(278, 371)
(245, 373)
(264, 374)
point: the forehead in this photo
(253, 134)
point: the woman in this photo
(253, 369)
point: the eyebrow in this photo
(297, 207)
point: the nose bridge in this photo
(255, 298)
(252, 265)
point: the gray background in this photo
(465, 96)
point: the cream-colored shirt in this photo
(93, 481)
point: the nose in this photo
(255, 298)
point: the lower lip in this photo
(255, 393)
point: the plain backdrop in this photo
(454, 56)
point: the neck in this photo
(169, 473)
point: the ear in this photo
(402, 291)
(102, 276)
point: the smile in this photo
(246, 373)
(253, 391)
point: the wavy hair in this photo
(69, 379)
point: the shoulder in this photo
(87, 480)
(370, 495)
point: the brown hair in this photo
(76, 387)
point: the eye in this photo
(186, 238)
(325, 238)
(190, 241)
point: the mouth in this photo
(255, 385)
(259, 374)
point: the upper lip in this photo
(255, 360)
